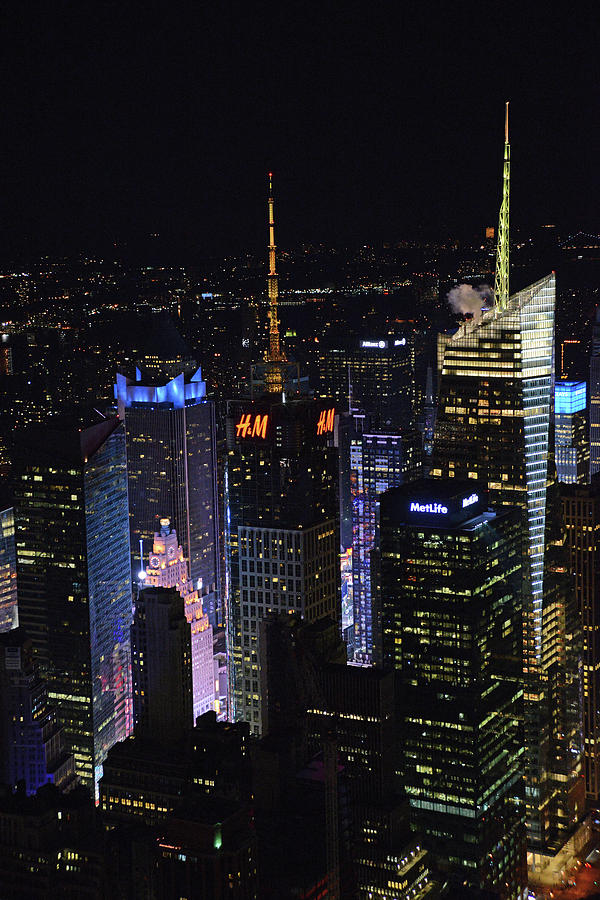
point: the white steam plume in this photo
(466, 299)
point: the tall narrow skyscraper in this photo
(493, 426)
(595, 397)
(171, 470)
(9, 616)
(74, 580)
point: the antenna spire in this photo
(501, 278)
(275, 358)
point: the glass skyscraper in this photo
(171, 470)
(74, 580)
(595, 397)
(377, 462)
(493, 427)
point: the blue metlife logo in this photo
(469, 501)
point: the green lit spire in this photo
(501, 285)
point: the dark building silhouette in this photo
(32, 743)
(161, 645)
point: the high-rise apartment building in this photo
(282, 528)
(452, 596)
(171, 471)
(9, 616)
(570, 432)
(166, 567)
(74, 579)
(595, 397)
(493, 426)
(581, 512)
(377, 462)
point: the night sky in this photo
(375, 117)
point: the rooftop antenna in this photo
(275, 358)
(501, 277)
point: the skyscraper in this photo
(162, 665)
(167, 568)
(32, 743)
(595, 397)
(452, 594)
(282, 528)
(581, 511)
(493, 426)
(74, 579)
(171, 471)
(377, 462)
(9, 616)
(375, 374)
(570, 432)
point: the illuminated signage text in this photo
(469, 501)
(436, 508)
(326, 419)
(381, 345)
(252, 426)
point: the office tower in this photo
(595, 397)
(452, 597)
(581, 512)
(377, 462)
(374, 374)
(74, 579)
(171, 472)
(167, 568)
(570, 432)
(282, 531)
(161, 648)
(493, 426)
(32, 743)
(9, 615)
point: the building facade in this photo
(9, 615)
(377, 462)
(171, 471)
(74, 580)
(452, 604)
(493, 426)
(595, 397)
(166, 567)
(282, 529)
(581, 512)
(571, 446)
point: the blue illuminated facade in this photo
(571, 432)
(377, 462)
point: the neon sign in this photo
(380, 345)
(436, 508)
(326, 419)
(469, 501)
(252, 426)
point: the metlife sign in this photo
(437, 509)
